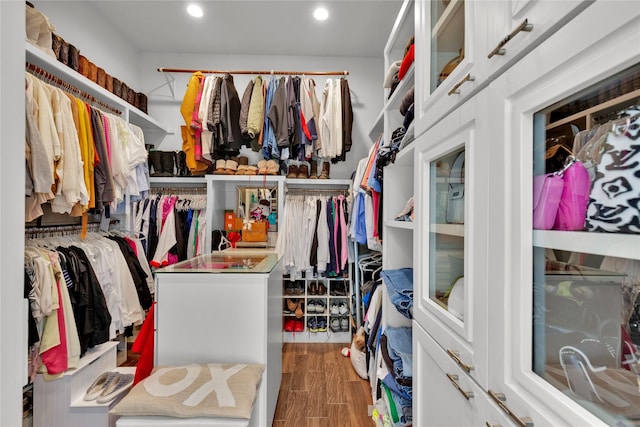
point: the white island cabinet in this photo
(226, 309)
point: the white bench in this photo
(138, 421)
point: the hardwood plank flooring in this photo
(319, 388)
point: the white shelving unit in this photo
(130, 113)
(61, 402)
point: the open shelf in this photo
(40, 59)
(606, 244)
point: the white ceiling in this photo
(354, 27)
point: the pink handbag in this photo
(572, 210)
(547, 191)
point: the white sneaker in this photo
(311, 306)
(99, 385)
(342, 308)
(116, 388)
(334, 309)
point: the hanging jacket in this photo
(244, 110)
(230, 116)
(269, 142)
(278, 114)
(186, 109)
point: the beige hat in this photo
(391, 72)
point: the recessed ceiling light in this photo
(321, 14)
(195, 11)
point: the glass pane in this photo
(586, 254)
(447, 38)
(446, 206)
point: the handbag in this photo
(450, 66)
(614, 200)
(572, 208)
(455, 193)
(547, 191)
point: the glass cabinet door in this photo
(446, 237)
(447, 39)
(586, 247)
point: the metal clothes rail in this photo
(56, 81)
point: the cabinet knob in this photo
(500, 399)
(500, 50)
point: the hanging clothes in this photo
(78, 157)
(314, 235)
(197, 167)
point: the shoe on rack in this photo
(299, 310)
(289, 288)
(334, 324)
(116, 388)
(334, 309)
(292, 305)
(293, 171)
(311, 306)
(322, 324)
(312, 324)
(298, 325)
(99, 385)
(321, 306)
(313, 288)
(298, 288)
(342, 308)
(344, 324)
(289, 324)
(322, 289)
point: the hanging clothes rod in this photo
(60, 229)
(180, 191)
(323, 191)
(272, 72)
(39, 72)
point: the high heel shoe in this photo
(292, 305)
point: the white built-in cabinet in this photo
(453, 239)
(481, 367)
(582, 56)
(492, 35)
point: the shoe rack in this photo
(317, 309)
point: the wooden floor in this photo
(320, 388)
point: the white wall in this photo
(80, 24)
(365, 81)
(12, 170)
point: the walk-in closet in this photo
(379, 213)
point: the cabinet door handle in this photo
(454, 380)
(500, 398)
(456, 356)
(500, 50)
(456, 88)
